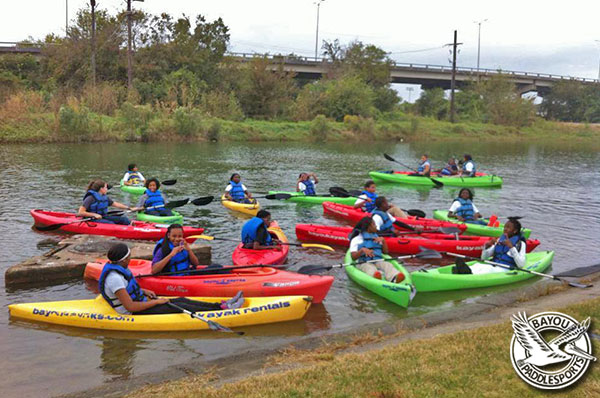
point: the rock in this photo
(68, 259)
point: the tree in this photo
(433, 102)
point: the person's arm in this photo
(227, 189)
(488, 249)
(300, 187)
(162, 263)
(378, 221)
(193, 259)
(125, 179)
(476, 213)
(246, 192)
(142, 179)
(120, 205)
(426, 170)
(360, 202)
(314, 176)
(137, 306)
(517, 255)
(83, 209)
(384, 246)
(260, 237)
(455, 205)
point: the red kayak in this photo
(354, 215)
(254, 282)
(243, 256)
(404, 244)
(139, 230)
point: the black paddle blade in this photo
(313, 269)
(436, 183)
(428, 253)
(388, 157)
(450, 230)
(169, 182)
(115, 213)
(355, 193)
(339, 191)
(579, 285)
(177, 203)
(404, 225)
(52, 227)
(278, 196)
(109, 186)
(416, 213)
(203, 200)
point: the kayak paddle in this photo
(305, 245)
(211, 324)
(437, 183)
(424, 253)
(202, 201)
(556, 278)
(341, 192)
(53, 227)
(210, 270)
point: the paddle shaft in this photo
(217, 326)
(436, 182)
(519, 269)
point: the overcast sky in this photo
(528, 35)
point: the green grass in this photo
(472, 363)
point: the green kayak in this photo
(176, 218)
(477, 229)
(398, 293)
(442, 278)
(299, 197)
(133, 189)
(404, 177)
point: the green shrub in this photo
(214, 131)
(319, 128)
(73, 121)
(221, 105)
(136, 118)
(187, 121)
(364, 127)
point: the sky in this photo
(549, 36)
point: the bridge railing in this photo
(294, 59)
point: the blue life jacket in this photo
(237, 191)
(448, 169)
(100, 206)
(370, 206)
(133, 289)
(135, 177)
(466, 209)
(388, 225)
(178, 263)
(501, 251)
(422, 166)
(154, 199)
(250, 229)
(310, 187)
(369, 243)
(473, 173)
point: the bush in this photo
(187, 122)
(105, 98)
(364, 127)
(214, 131)
(319, 128)
(432, 102)
(348, 96)
(136, 118)
(221, 105)
(73, 120)
(21, 105)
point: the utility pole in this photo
(129, 55)
(93, 5)
(318, 3)
(410, 90)
(453, 81)
(66, 17)
(479, 42)
(598, 42)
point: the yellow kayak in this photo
(98, 314)
(245, 208)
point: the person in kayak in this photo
(172, 254)
(153, 197)
(366, 245)
(464, 209)
(119, 288)
(469, 169)
(450, 169)
(366, 201)
(424, 169)
(306, 183)
(255, 235)
(237, 192)
(133, 176)
(382, 219)
(96, 202)
(508, 249)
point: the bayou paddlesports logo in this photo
(550, 350)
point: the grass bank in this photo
(471, 363)
(144, 123)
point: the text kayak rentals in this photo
(481, 180)
(277, 256)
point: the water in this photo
(555, 187)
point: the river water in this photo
(553, 186)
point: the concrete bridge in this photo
(428, 76)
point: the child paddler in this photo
(464, 209)
(120, 289)
(508, 249)
(255, 234)
(133, 176)
(96, 203)
(366, 245)
(384, 222)
(237, 192)
(306, 183)
(172, 254)
(366, 201)
(153, 197)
